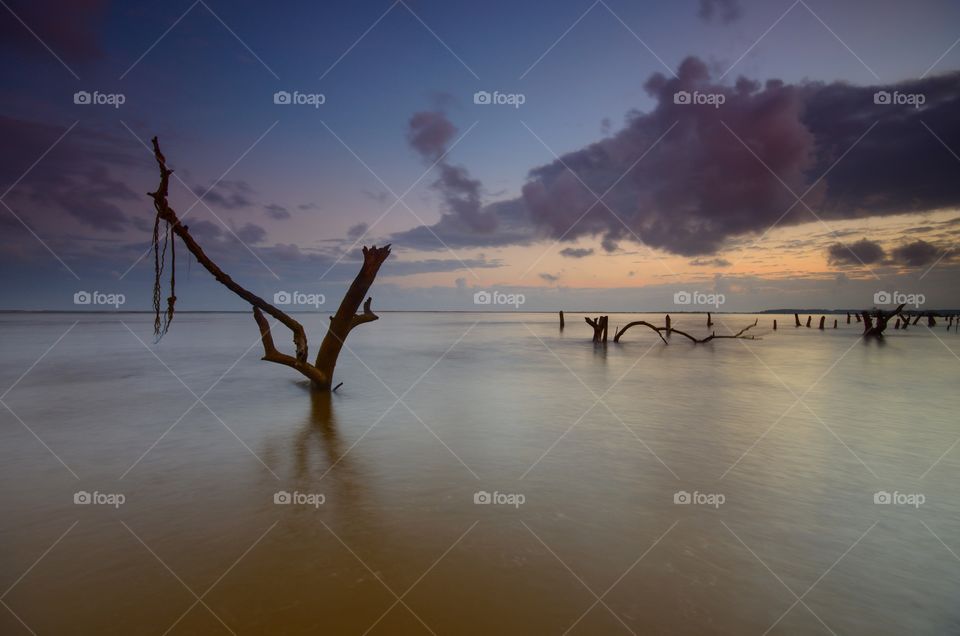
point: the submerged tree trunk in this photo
(882, 317)
(669, 330)
(599, 325)
(320, 373)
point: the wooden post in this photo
(668, 324)
(709, 320)
(774, 324)
(834, 323)
(809, 320)
(848, 317)
(822, 320)
(797, 319)
(561, 321)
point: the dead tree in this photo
(882, 317)
(599, 325)
(904, 320)
(695, 340)
(320, 373)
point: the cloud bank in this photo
(688, 177)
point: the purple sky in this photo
(783, 154)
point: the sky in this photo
(586, 155)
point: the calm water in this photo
(596, 440)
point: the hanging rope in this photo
(162, 320)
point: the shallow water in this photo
(597, 440)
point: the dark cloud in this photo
(226, 194)
(916, 254)
(75, 177)
(550, 278)
(358, 230)
(513, 228)
(728, 10)
(429, 134)
(576, 252)
(710, 262)
(69, 27)
(863, 252)
(251, 233)
(275, 211)
(709, 180)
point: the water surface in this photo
(796, 430)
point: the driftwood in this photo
(320, 373)
(672, 330)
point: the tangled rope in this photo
(162, 320)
